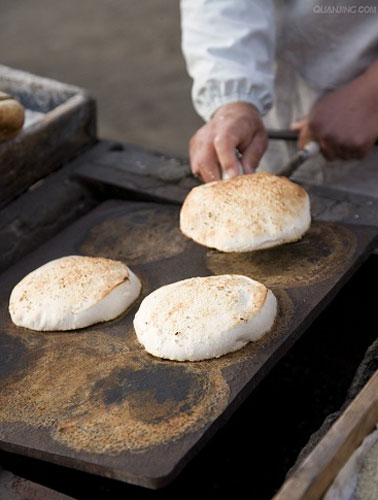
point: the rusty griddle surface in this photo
(93, 399)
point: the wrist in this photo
(239, 107)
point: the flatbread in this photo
(73, 292)
(246, 213)
(203, 318)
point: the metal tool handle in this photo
(282, 134)
(287, 135)
(311, 149)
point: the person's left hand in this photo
(345, 121)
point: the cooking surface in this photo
(93, 399)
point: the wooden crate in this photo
(313, 477)
(60, 122)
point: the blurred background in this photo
(126, 53)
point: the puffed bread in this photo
(73, 292)
(203, 318)
(246, 213)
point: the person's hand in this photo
(345, 121)
(236, 125)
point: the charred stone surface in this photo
(95, 398)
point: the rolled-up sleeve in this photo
(228, 46)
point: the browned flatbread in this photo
(73, 292)
(246, 213)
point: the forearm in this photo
(229, 50)
(345, 121)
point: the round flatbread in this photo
(246, 213)
(203, 318)
(73, 292)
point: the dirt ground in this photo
(126, 53)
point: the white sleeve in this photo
(228, 46)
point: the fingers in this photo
(333, 142)
(305, 136)
(225, 147)
(327, 149)
(336, 145)
(344, 121)
(203, 160)
(299, 124)
(310, 130)
(234, 126)
(254, 152)
(305, 133)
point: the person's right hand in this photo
(235, 125)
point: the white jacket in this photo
(230, 47)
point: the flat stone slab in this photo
(94, 400)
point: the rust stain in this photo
(94, 393)
(97, 390)
(17, 355)
(136, 407)
(318, 255)
(142, 236)
(100, 393)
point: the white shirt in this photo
(289, 51)
(230, 46)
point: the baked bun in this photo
(12, 116)
(203, 318)
(73, 292)
(246, 213)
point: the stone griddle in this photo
(94, 400)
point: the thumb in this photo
(299, 124)
(305, 136)
(303, 128)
